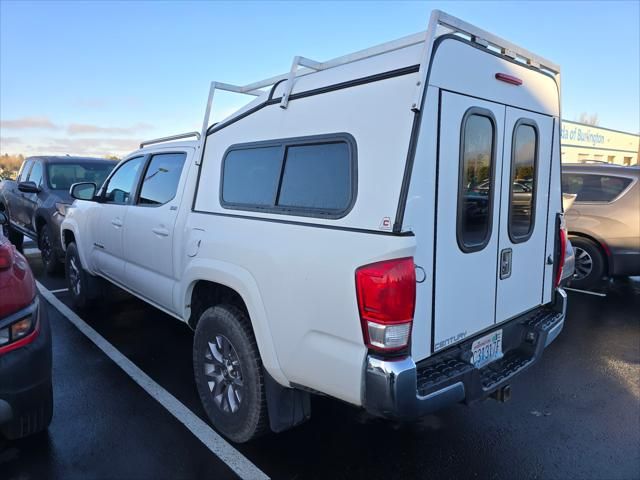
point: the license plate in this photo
(487, 349)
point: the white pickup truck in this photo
(383, 228)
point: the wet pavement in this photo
(575, 414)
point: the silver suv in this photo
(604, 221)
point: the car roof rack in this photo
(438, 22)
(170, 138)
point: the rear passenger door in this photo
(523, 212)
(149, 229)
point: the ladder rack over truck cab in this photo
(384, 228)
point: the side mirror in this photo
(83, 190)
(3, 218)
(28, 187)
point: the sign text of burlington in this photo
(577, 134)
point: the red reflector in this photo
(503, 77)
(386, 296)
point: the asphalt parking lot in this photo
(576, 414)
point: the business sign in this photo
(582, 135)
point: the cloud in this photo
(89, 146)
(29, 122)
(92, 147)
(84, 128)
(10, 141)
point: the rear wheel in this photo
(228, 373)
(49, 254)
(590, 264)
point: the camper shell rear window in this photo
(309, 176)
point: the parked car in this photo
(315, 239)
(604, 220)
(38, 200)
(26, 399)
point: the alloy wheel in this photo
(45, 246)
(584, 264)
(224, 374)
(74, 276)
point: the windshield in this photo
(62, 175)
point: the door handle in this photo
(163, 232)
(506, 256)
(116, 222)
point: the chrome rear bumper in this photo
(398, 388)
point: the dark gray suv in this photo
(604, 220)
(37, 201)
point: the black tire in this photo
(48, 252)
(217, 325)
(77, 278)
(590, 263)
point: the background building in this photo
(580, 142)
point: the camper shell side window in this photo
(312, 176)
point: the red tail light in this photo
(386, 300)
(6, 256)
(503, 77)
(562, 247)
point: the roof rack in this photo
(437, 19)
(170, 138)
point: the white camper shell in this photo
(385, 227)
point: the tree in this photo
(589, 119)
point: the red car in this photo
(26, 396)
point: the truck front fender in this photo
(70, 225)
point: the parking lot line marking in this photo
(59, 290)
(586, 291)
(237, 462)
(30, 251)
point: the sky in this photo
(98, 77)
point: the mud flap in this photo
(288, 407)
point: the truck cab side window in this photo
(36, 174)
(161, 178)
(24, 171)
(121, 184)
